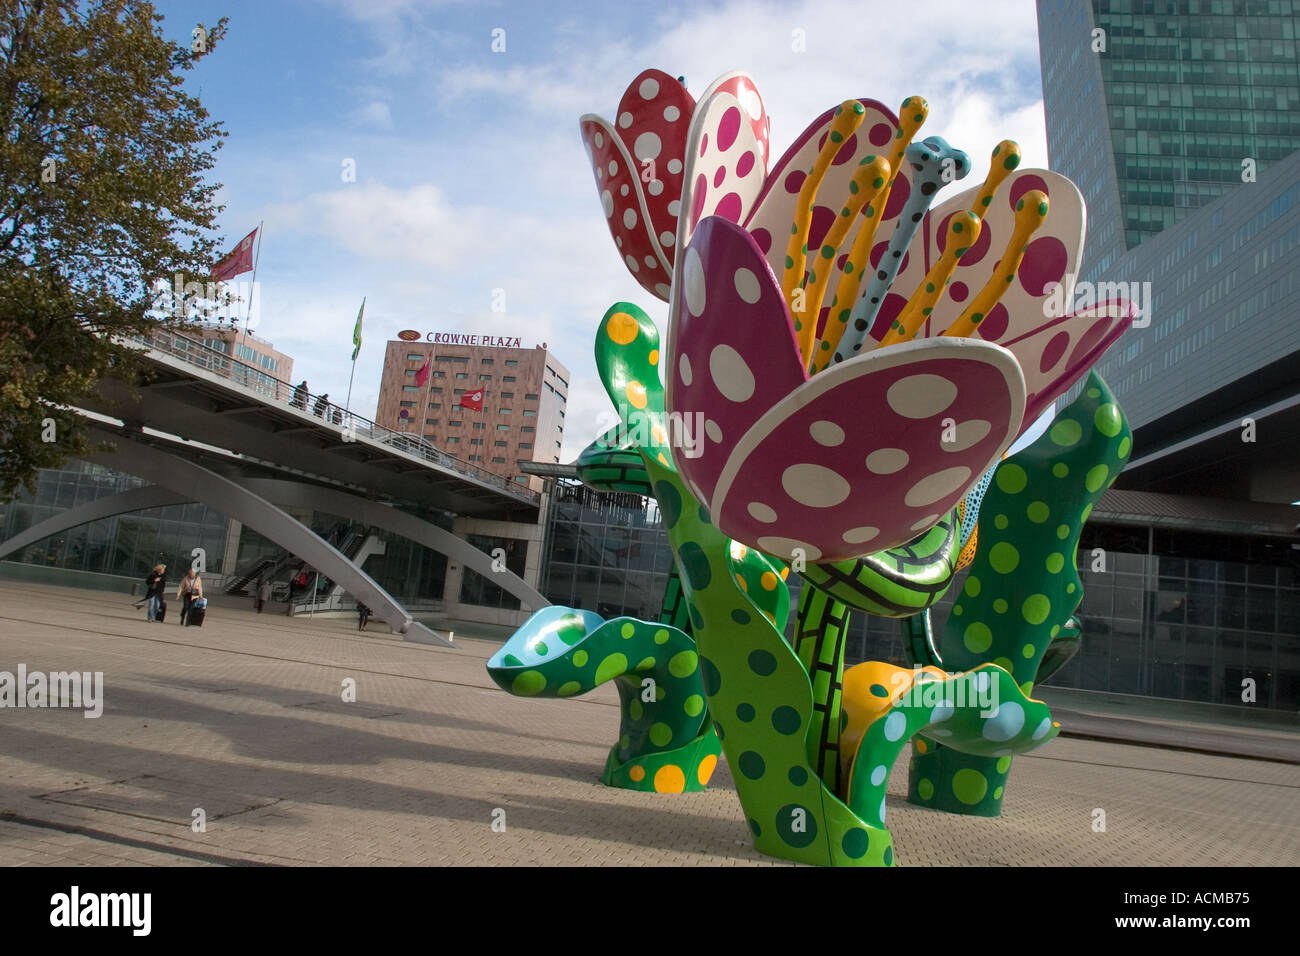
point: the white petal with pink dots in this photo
(724, 172)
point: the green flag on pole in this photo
(356, 331)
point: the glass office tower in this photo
(1166, 107)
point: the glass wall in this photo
(126, 545)
(1162, 625)
(482, 591)
(605, 552)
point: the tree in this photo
(102, 195)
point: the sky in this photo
(471, 176)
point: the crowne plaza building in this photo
(524, 398)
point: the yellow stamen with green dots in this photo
(1031, 212)
(848, 117)
(868, 180)
(911, 115)
(963, 231)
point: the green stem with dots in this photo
(1023, 587)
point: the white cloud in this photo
(374, 113)
(497, 192)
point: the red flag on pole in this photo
(237, 261)
(472, 400)
(422, 375)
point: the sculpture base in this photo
(684, 770)
(945, 779)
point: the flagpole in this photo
(347, 405)
(257, 257)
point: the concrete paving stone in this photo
(245, 718)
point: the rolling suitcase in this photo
(197, 611)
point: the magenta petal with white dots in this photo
(788, 462)
(734, 352)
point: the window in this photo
(485, 378)
(506, 411)
(512, 362)
(408, 404)
(475, 457)
(525, 444)
(530, 412)
(476, 441)
(453, 441)
(507, 394)
(414, 357)
(431, 421)
(479, 425)
(528, 428)
(456, 422)
(557, 444)
(410, 388)
(531, 396)
(487, 361)
(498, 461)
(452, 358)
(461, 375)
(437, 389)
(440, 374)
(411, 371)
(548, 387)
(502, 444)
(520, 479)
(561, 411)
(503, 428)
(508, 378)
(435, 405)
(520, 462)
(459, 391)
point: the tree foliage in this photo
(102, 195)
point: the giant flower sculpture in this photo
(837, 428)
(854, 364)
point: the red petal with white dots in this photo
(654, 118)
(621, 200)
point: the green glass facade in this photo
(1195, 94)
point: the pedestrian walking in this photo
(155, 589)
(188, 591)
(322, 403)
(363, 615)
(263, 594)
(300, 395)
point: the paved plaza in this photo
(245, 720)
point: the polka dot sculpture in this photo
(1023, 589)
(851, 439)
(666, 742)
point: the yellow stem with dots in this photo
(1031, 212)
(911, 115)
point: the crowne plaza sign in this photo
(462, 338)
